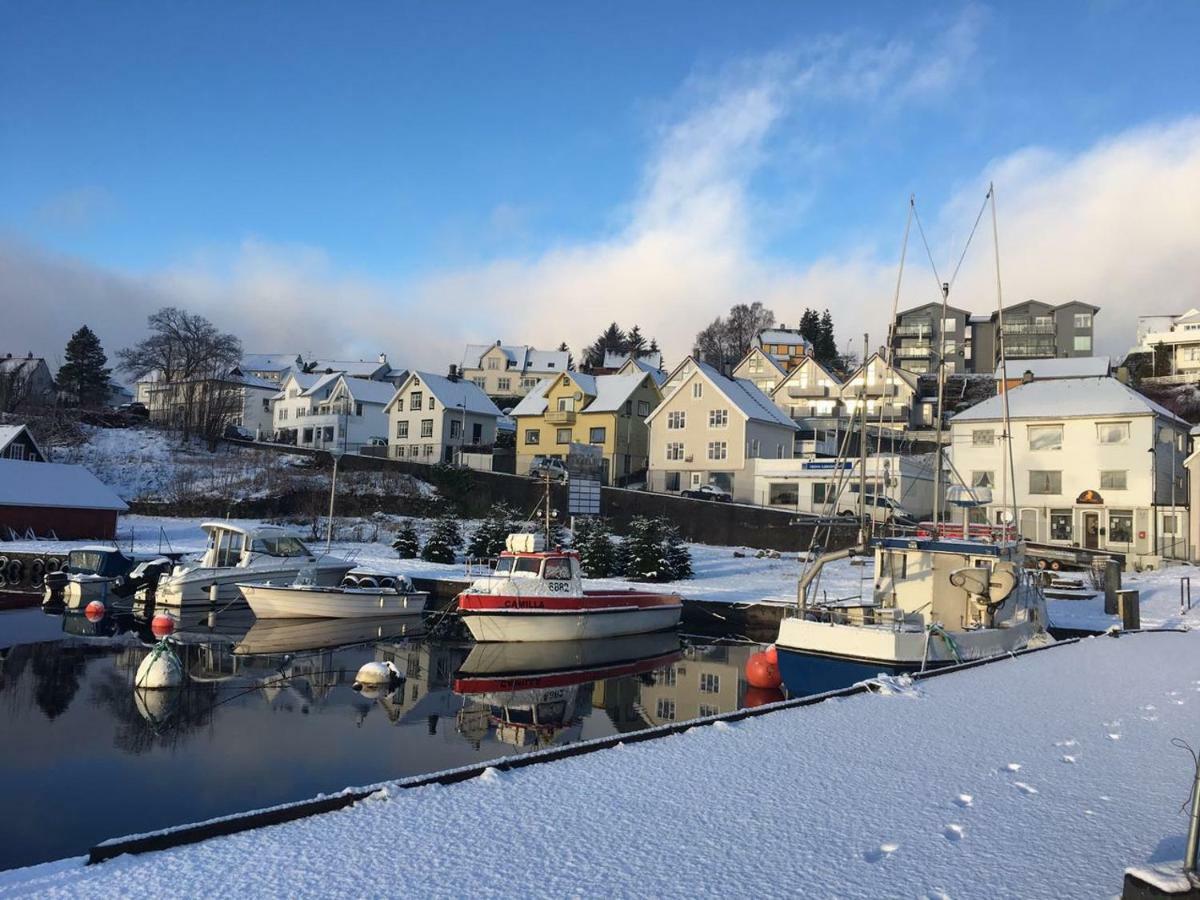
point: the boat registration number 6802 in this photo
(559, 587)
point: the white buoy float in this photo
(160, 670)
(377, 675)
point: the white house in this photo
(296, 400)
(1179, 340)
(831, 486)
(762, 368)
(890, 395)
(1097, 465)
(334, 410)
(431, 418)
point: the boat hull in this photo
(192, 589)
(303, 602)
(594, 615)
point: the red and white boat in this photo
(537, 595)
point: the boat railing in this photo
(974, 532)
(480, 566)
(864, 613)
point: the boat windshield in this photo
(558, 568)
(504, 565)
(527, 565)
(279, 546)
(97, 562)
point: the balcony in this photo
(874, 390)
(914, 330)
(1028, 328)
(914, 351)
(560, 417)
(809, 390)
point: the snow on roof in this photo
(613, 390)
(452, 394)
(980, 318)
(1061, 367)
(746, 396)
(17, 363)
(769, 357)
(777, 336)
(617, 360)
(56, 485)
(521, 357)
(369, 391)
(654, 371)
(320, 382)
(1066, 398)
(254, 381)
(9, 433)
(533, 403)
(361, 368)
(267, 362)
(546, 360)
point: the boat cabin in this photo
(232, 545)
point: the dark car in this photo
(135, 409)
(709, 492)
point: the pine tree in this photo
(85, 373)
(563, 348)
(676, 556)
(810, 327)
(443, 541)
(825, 347)
(653, 348)
(644, 550)
(597, 553)
(635, 343)
(406, 544)
(611, 340)
(489, 538)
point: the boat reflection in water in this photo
(536, 693)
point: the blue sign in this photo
(827, 466)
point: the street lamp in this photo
(462, 435)
(336, 452)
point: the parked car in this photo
(134, 409)
(709, 492)
(548, 465)
(238, 433)
(883, 510)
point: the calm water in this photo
(267, 714)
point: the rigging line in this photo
(929, 253)
(982, 208)
(892, 324)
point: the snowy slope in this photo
(1043, 776)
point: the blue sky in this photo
(412, 157)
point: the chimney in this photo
(29, 355)
(497, 343)
(383, 359)
(1027, 377)
(453, 376)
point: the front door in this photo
(1091, 530)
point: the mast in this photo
(941, 392)
(1009, 470)
(863, 518)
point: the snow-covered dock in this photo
(1043, 776)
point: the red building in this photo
(65, 501)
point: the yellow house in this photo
(608, 411)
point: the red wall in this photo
(65, 523)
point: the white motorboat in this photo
(305, 599)
(538, 595)
(246, 555)
(298, 635)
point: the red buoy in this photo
(94, 611)
(772, 654)
(761, 672)
(162, 625)
(756, 696)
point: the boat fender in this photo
(377, 674)
(95, 611)
(761, 672)
(53, 564)
(160, 670)
(37, 569)
(14, 571)
(367, 581)
(162, 625)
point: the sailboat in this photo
(947, 594)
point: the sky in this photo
(340, 180)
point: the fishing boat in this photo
(536, 594)
(947, 593)
(353, 599)
(241, 554)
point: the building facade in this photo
(436, 419)
(1174, 343)
(502, 370)
(763, 370)
(787, 346)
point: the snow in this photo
(1086, 397)
(456, 394)
(965, 792)
(1058, 367)
(53, 485)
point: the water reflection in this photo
(267, 714)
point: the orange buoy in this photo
(761, 672)
(94, 611)
(772, 654)
(162, 625)
(756, 696)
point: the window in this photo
(706, 710)
(822, 492)
(1045, 437)
(1112, 432)
(563, 436)
(504, 384)
(414, 401)
(301, 412)
(755, 364)
(16, 451)
(949, 325)
(718, 418)
(783, 494)
(1120, 526)
(1060, 525)
(1041, 482)
(1083, 343)
(414, 450)
(666, 709)
(698, 390)
(429, 449)
(676, 420)
(399, 404)
(479, 380)
(1113, 480)
(358, 410)
(710, 683)
(675, 450)
(455, 429)
(533, 436)
(1083, 320)
(283, 413)
(628, 407)
(643, 408)
(431, 403)
(983, 437)
(717, 450)
(1169, 524)
(266, 404)
(596, 436)
(493, 363)
(528, 382)
(672, 481)
(752, 448)
(983, 479)
(402, 429)
(427, 428)
(557, 569)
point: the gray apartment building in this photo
(1032, 330)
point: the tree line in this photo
(724, 341)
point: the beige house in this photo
(809, 391)
(710, 428)
(890, 395)
(502, 370)
(762, 369)
(432, 419)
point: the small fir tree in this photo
(489, 538)
(597, 552)
(443, 542)
(676, 556)
(406, 544)
(85, 373)
(644, 550)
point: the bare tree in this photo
(725, 341)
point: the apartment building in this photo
(1174, 342)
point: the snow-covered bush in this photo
(406, 544)
(491, 533)
(443, 542)
(597, 552)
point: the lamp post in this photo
(462, 435)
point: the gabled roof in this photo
(321, 382)
(907, 377)
(607, 392)
(1066, 398)
(9, 433)
(795, 373)
(17, 363)
(365, 391)
(782, 336)
(767, 356)
(644, 365)
(54, 485)
(521, 358)
(740, 392)
(451, 394)
(1060, 367)
(534, 403)
(268, 362)
(617, 360)
(252, 381)
(361, 368)
(936, 304)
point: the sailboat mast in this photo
(1008, 470)
(863, 519)
(941, 392)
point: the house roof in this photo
(613, 390)
(520, 357)
(320, 382)
(1061, 367)
(1067, 398)
(365, 391)
(533, 403)
(769, 357)
(268, 362)
(782, 336)
(936, 304)
(907, 377)
(795, 373)
(452, 394)
(617, 360)
(741, 392)
(56, 485)
(654, 371)
(252, 381)
(17, 363)
(9, 433)
(361, 368)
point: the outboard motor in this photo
(52, 589)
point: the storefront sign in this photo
(1090, 497)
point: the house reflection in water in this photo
(708, 680)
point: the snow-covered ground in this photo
(1043, 776)
(722, 574)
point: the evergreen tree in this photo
(85, 373)
(489, 538)
(825, 347)
(644, 550)
(406, 544)
(597, 552)
(611, 340)
(443, 541)
(676, 556)
(563, 348)
(635, 343)
(810, 327)
(653, 348)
